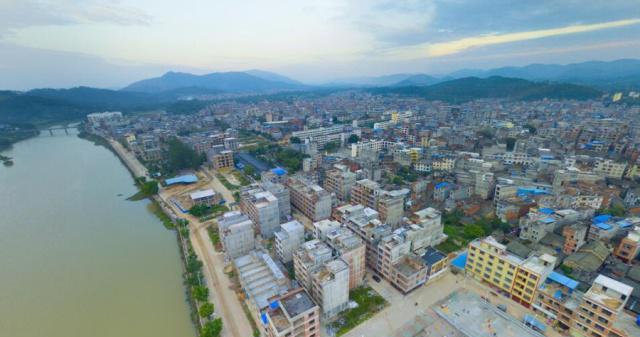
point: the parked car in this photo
(376, 278)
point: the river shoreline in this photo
(161, 211)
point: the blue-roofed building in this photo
(441, 191)
(294, 315)
(184, 180)
(557, 300)
(605, 227)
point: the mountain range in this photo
(232, 82)
(174, 91)
(611, 75)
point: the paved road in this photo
(130, 160)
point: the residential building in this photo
(529, 276)
(601, 308)
(489, 261)
(629, 246)
(436, 262)
(222, 159)
(609, 168)
(330, 287)
(324, 277)
(293, 314)
(365, 192)
(309, 256)
(575, 236)
(288, 239)
(339, 180)
(283, 196)
(390, 205)
(323, 227)
(261, 207)
(350, 248)
(310, 199)
(237, 234)
(558, 301)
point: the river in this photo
(76, 258)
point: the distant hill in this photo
(619, 74)
(470, 88)
(222, 81)
(269, 76)
(417, 80)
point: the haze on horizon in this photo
(65, 43)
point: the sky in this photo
(66, 43)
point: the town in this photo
(356, 214)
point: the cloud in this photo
(457, 46)
(17, 14)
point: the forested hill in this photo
(470, 88)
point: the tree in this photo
(193, 264)
(397, 180)
(471, 232)
(532, 129)
(511, 143)
(294, 140)
(249, 170)
(180, 156)
(212, 328)
(332, 146)
(206, 310)
(353, 139)
(200, 293)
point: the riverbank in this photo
(193, 277)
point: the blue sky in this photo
(64, 43)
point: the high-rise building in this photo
(629, 246)
(310, 199)
(288, 239)
(293, 314)
(391, 206)
(283, 196)
(350, 248)
(339, 180)
(262, 207)
(365, 192)
(601, 307)
(324, 277)
(236, 234)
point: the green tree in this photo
(193, 264)
(294, 140)
(474, 231)
(353, 139)
(200, 293)
(332, 146)
(180, 156)
(397, 180)
(212, 328)
(249, 170)
(206, 310)
(532, 129)
(511, 143)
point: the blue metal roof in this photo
(185, 179)
(528, 319)
(546, 210)
(603, 226)
(602, 218)
(548, 220)
(460, 261)
(563, 280)
(274, 305)
(441, 185)
(624, 224)
(279, 171)
(264, 318)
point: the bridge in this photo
(65, 128)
